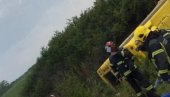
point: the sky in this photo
(26, 26)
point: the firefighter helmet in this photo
(154, 28)
(141, 33)
(109, 44)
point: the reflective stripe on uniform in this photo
(166, 34)
(124, 77)
(122, 52)
(149, 88)
(163, 71)
(139, 94)
(159, 75)
(119, 63)
(168, 58)
(157, 52)
(168, 30)
(111, 64)
(153, 61)
(116, 73)
(127, 72)
(135, 66)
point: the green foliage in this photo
(73, 86)
(163, 88)
(17, 87)
(67, 67)
(4, 86)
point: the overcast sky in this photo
(28, 25)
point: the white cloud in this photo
(1, 13)
(20, 1)
(7, 6)
(24, 54)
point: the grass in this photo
(17, 87)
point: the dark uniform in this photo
(166, 40)
(158, 47)
(122, 63)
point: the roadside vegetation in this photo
(67, 67)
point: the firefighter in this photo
(110, 48)
(156, 43)
(122, 62)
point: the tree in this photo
(4, 86)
